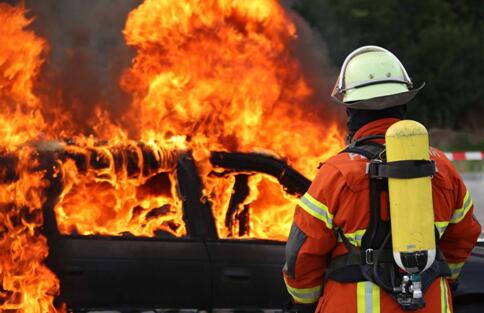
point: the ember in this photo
(207, 75)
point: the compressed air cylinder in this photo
(411, 208)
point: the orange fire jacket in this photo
(338, 198)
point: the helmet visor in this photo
(373, 91)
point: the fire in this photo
(21, 57)
(212, 75)
(26, 284)
(128, 197)
(221, 73)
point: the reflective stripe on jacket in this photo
(338, 199)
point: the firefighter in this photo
(339, 252)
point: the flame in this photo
(207, 75)
(27, 285)
(220, 73)
(119, 200)
(21, 57)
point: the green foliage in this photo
(440, 42)
(469, 166)
(464, 142)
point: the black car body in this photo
(199, 271)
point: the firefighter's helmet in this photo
(372, 78)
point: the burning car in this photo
(190, 269)
(170, 253)
(76, 167)
(106, 207)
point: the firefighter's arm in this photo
(311, 239)
(462, 231)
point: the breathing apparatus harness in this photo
(374, 261)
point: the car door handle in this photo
(72, 270)
(236, 273)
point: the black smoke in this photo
(87, 55)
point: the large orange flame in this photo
(221, 74)
(119, 199)
(26, 284)
(21, 55)
(207, 75)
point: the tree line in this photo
(440, 42)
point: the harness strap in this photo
(377, 229)
(369, 151)
(401, 169)
(367, 139)
(365, 147)
(374, 152)
(355, 258)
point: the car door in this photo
(136, 272)
(105, 272)
(247, 274)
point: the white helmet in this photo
(372, 78)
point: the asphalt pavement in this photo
(475, 185)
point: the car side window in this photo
(250, 206)
(116, 205)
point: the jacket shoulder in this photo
(446, 174)
(352, 169)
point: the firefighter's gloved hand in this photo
(301, 307)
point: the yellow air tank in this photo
(411, 208)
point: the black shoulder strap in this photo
(377, 229)
(364, 146)
(374, 152)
